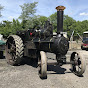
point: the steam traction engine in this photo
(34, 43)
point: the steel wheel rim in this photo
(79, 66)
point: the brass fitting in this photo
(60, 8)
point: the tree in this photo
(6, 28)
(42, 20)
(36, 22)
(53, 20)
(16, 26)
(1, 8)
(1, 25)
(67, 25)
(28, 10)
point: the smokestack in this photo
(60, 12)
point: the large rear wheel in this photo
(14, 50)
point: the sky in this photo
(77, 9)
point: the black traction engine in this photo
(34, 43)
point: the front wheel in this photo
(79, 65)
(43, 65)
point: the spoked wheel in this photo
(79, 65)
(43, 65)
(14, 50)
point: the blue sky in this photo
(77, 9)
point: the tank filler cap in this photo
(60, 8)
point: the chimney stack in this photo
(60, 11)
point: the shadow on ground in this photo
(56, 69)
(30, 61)
(2, 57)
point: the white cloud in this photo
(83, 14)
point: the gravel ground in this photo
(26, 76)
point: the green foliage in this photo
(27, 15)
(68, 24)
(1, 8)
(28, 10)
(16, 26)
(53, 20)
(36, 22)
(7, 28)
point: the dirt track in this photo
(26, 76)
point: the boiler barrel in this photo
(58, 45)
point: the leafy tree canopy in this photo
(28, 10)
(1, 8)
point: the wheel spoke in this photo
(74, 68)
(9, 51)
(13, 56)
(9, 43)
(76, 57)
(79, 61)
(79, 67)
(14, 45)
(13, 41)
